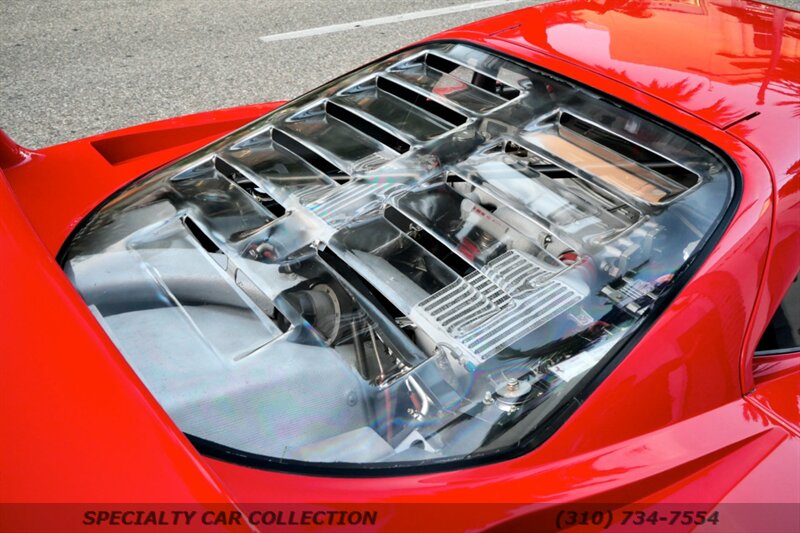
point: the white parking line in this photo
(333, 28)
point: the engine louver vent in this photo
(400, 266)
(386, 143)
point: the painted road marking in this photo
(347, 26)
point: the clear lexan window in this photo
(416, 263)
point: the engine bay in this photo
(417, 262)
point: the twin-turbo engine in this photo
(418, 262)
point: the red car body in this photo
(688, 417)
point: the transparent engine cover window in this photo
(415, 263)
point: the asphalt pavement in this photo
(69, 69)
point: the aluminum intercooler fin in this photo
(488, 311)
(352, 199)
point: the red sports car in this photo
(536, 272)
